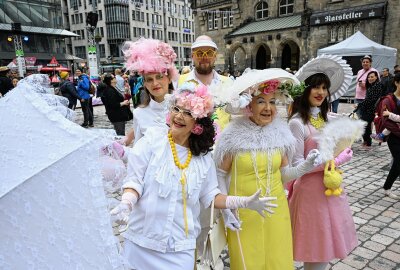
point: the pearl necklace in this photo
(182, 167)
(259, 182)
(317, 122)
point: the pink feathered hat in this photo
(150, 56)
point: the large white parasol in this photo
(336, 68)
(53, 210)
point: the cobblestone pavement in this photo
(376, 216)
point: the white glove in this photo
(123, 210)
(252, 202)
(313, 160)
(230, 220)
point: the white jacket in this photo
(157, 220)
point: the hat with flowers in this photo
(195, 99)
(150, 56)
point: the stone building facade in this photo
(287, 33)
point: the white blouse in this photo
(301, 133)
(157, 220)
(153, 115)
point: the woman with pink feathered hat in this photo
(154, 61)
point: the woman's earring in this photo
(197, 129)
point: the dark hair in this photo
(367, 84)
(301, 104)
(396, 78)
(108, 78)
(202, 144)
(386, 69)
(396, 66)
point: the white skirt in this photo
(140, 258)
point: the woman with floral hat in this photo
(171, 175)
(154, 60)
(253, 153)
(322, 226)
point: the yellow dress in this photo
(266, 242)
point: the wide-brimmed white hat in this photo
(338, 71)
(251, 79)
(204, 43)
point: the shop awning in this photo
(40, 30)
(268, 25)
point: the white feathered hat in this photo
(338, 71)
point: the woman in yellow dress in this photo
(253, 153)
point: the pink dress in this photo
(323, 227)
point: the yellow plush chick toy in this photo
(332, 179)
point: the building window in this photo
(80, 51)
(231, 19)
(100, 15)
(102, 49)
(262, 10)
(210, 21)
(216, 19)
(333, 34)
(348, 31)
(227, 18)
(340, 33)
(286, 7)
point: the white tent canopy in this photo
(53, 210)
(360, 45)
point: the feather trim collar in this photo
(242, 135)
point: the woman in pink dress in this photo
(323, 227)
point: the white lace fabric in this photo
(53, 210)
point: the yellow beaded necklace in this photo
(317, 122)
(182, 167)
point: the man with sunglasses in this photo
(204, 54)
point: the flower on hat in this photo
(269, 86)
(197, 100)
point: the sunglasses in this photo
(177, 110)
(200, 53)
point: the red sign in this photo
(53, 62)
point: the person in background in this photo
(120, 81)
(117, 108)
(14, 82)
(396, 69)
(83, 87)
(361, 89)
(387, 82)
(68, 90)
(5, 82)
(185, 70)
(335, 105)
(367, 106)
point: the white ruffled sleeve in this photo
(209, 188)
(138, 161)
(297, 128)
